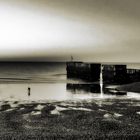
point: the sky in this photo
(53, 30)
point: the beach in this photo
(92, 119)
(69, 69)
(38, 102)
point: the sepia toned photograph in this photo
(69, 69)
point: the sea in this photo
(48, 81)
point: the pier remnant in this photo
(115, 74)
(84, 71)
(120, 74)
(95, 69)
(111, 73)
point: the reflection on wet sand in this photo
(93, 88)
(87, 88)
(60, 92)
(34, 92)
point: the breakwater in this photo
(85, 71)
(111, 73)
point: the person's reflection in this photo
(29, 91)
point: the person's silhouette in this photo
(29, 91)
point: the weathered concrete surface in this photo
(112, 73)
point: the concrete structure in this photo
(85, 71)
(134, 75)
(117, 74)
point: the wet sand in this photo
(92, 119)
(133, 87)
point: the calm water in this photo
(47, 81)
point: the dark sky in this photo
(53, 30)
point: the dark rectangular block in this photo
(95, 71)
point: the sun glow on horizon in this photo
(27, 30)
(55, 30)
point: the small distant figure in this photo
(29, 91)
(71, 58)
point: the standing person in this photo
(29, 91)
(71, 58)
